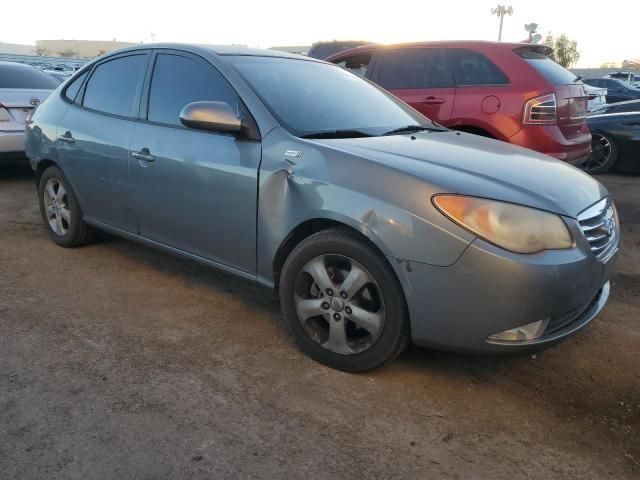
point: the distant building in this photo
(635, 63)
(77, 48)
(17, 49)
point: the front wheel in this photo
(342, 302)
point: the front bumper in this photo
(489, 290)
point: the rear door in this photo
(194, 190)
(482, 91)
(94, 135)
(420, 76)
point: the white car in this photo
(22, 88)
(597, 97)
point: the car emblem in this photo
(34, 102)
(293, 153)
(337, 304)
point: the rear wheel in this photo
(604, 154)
(60, 211)
(342, 302)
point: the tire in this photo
(604, 154)
(373, 327)
(61, 213)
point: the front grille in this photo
(598, 224)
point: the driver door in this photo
(193, 190)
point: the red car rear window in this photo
(554, 73)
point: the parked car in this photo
(322, 50)
(628, 106)
(626, 77)
(617, 91)
(597, 97)
(60, 76)
(376, 226)
(615, 139)
(509, 91)
(22, 88)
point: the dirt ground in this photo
(117, 361)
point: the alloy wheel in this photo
(56, 205)
(339, 304)
(601, 151)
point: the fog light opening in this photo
(530, 331)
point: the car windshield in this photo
(313, 99)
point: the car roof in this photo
(217, 49)
(442, 43)
(13, 64)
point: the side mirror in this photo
(213, 116)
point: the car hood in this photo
(457, 162)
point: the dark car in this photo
(322, 50)
(620, 107)
(615, 141)
(508, 91)
(617, 91)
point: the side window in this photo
(113, 85)
(612, 85)
(72, 90)
(413, 68)
(178, 81)
(473, 68)
(358, 64)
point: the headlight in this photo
(512, 227)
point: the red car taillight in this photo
(541, 110)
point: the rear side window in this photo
(413, 68)
(72, 90)
(358, 64)
(24, 76)
(473, 68)
(613, 85)
(113, 85)
(178, 81)
(553, 72)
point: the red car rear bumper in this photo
(550, 141)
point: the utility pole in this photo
(153, 37)
(501, 11)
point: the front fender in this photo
(390, 208)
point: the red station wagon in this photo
(509, 91)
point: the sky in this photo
(602, 36)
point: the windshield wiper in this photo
(413, 128)
(337, 134)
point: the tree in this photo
(610, 65)
(42, 51)
(68, 53)
(565, 51)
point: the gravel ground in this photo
(117, 361)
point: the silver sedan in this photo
(376, 226)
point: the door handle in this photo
(67, 137)
(431, 100)
(143, 155)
